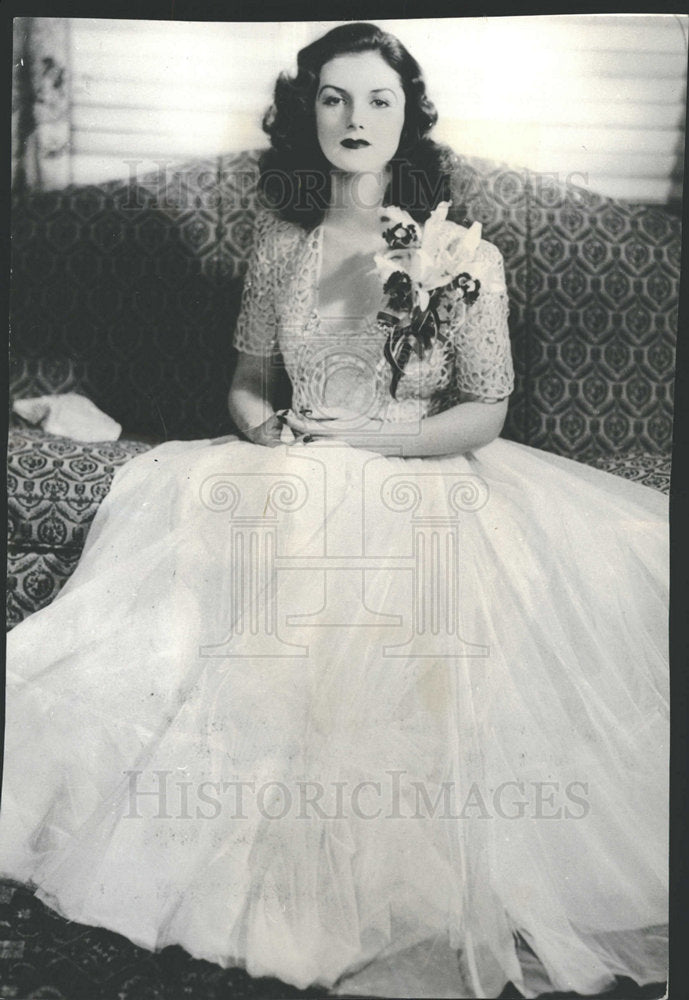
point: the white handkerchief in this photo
(69, 415)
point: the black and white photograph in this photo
(341, 389)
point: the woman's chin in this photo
(358, 162)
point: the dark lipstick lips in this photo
(354, 143)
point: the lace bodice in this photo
(336, 364)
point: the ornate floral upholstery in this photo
(54, 488)
(128, 292)
(639, 467)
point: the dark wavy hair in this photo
(295, 175)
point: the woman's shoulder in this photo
(491, 268)
(488, 252)
(275, 233)
(487, 266)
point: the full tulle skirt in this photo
(389, 726)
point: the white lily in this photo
(445, 250)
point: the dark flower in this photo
(416, 332)
(467, 287)
(400, 236)
(399, 291)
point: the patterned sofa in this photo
(128, 292)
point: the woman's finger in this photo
(225, 439)
(301, 423)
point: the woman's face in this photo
(359, 112)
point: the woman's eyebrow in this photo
(341, 90)
(332, 86)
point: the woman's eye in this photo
(331, 100)
(380, 103)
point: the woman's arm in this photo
(255, 339)
(461, 428)
(250, 400)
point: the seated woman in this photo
(367, 698)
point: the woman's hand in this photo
(249, 400)
(461, 428)
(344, 426)
(268, 433)
(340, 425)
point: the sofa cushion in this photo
(55, 485)
(640, 467)
(34, 579)
(603, 305)
(594, 291)
(128, 292)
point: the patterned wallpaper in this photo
(594, 287)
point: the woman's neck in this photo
(356, 200)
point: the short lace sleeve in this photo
(257, 329)
(483, 359)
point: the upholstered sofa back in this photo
(129, 291)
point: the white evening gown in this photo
(391, 726)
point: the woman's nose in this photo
(355, 116)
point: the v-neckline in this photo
(317, 238)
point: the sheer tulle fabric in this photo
(570, 695)
(424, 756)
